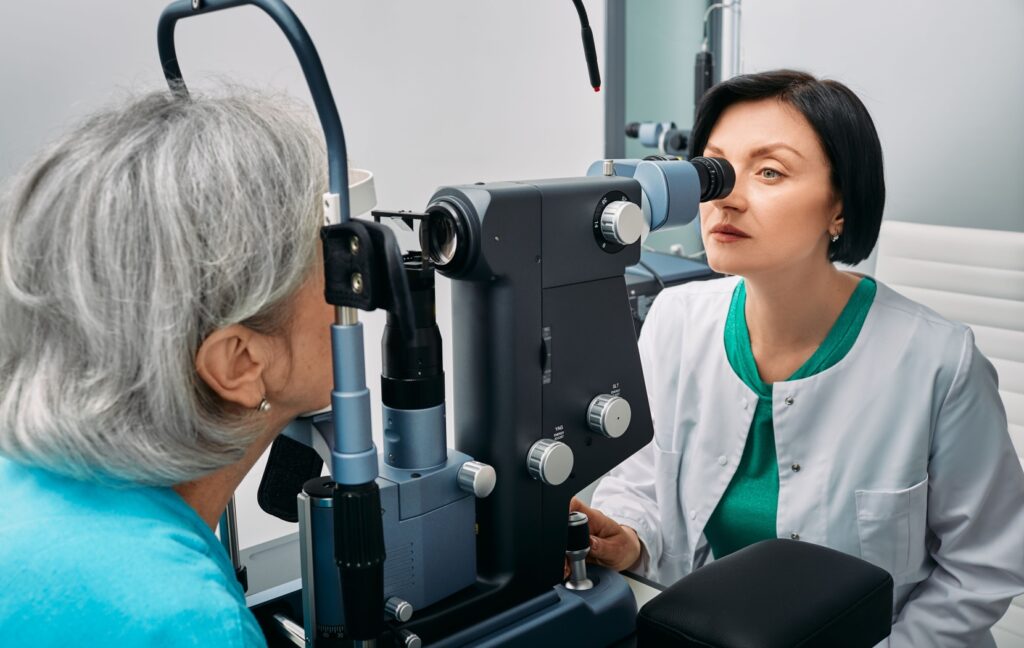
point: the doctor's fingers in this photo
(600, 524)
(595, 519)
(614, 552)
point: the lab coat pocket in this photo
(891, 525)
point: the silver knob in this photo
(609, 415)
(550, 461)
(477, 478)
(409, 640)
(398, 609)
(622, 222)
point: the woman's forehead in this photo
(755, 128)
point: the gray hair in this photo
(125, 244)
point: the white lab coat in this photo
(899, 454)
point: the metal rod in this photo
(346, 316)
(732, 63)
(290, 630)
(309, 61)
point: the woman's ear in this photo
(231, 361)
(836, 224)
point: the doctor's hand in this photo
(611, 545)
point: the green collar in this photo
(836, 345)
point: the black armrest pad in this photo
(773, 594)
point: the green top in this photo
(747, 511)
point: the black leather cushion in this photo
(773, 594)
(289, 466)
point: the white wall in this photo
(943, 80)
(430, 93)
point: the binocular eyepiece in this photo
(717, 177)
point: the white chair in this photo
(974, 276)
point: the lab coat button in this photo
(789, 400)
(723, 460)
(794, 536)
(795, 467)
(693, 514)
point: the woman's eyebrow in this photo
(767, 149)
(760, 151)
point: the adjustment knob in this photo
(550, 461)
(579, 533)
(577, 547)
(622, 222)
(407, 639)
(477, 478)
(398, 609)
(609, 415)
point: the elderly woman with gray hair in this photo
(161, 321)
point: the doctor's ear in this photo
(232, 361)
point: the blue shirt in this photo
(85, 564)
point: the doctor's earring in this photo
(263, 407)
(833, 237)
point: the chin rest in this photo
(773, 594)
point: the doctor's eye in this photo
(770, 174)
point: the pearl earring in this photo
(264, 406)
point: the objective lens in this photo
(717, 177)
(439, 237)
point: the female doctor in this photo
(800, 401)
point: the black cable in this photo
(582, 11)
(642, 264)
(589, 49)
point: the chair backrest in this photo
(974, 276)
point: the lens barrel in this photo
(717, 177)
(413, 374)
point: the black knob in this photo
(579, 532)
(576, 549)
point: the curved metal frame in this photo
(308, 58)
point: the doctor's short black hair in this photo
(847, 135)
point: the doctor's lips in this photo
(728, 233)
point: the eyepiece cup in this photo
(717, 177)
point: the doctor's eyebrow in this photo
(761, 151)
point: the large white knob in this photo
(622, 222)
(477, 478)
(609, 415)
(550, 461)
